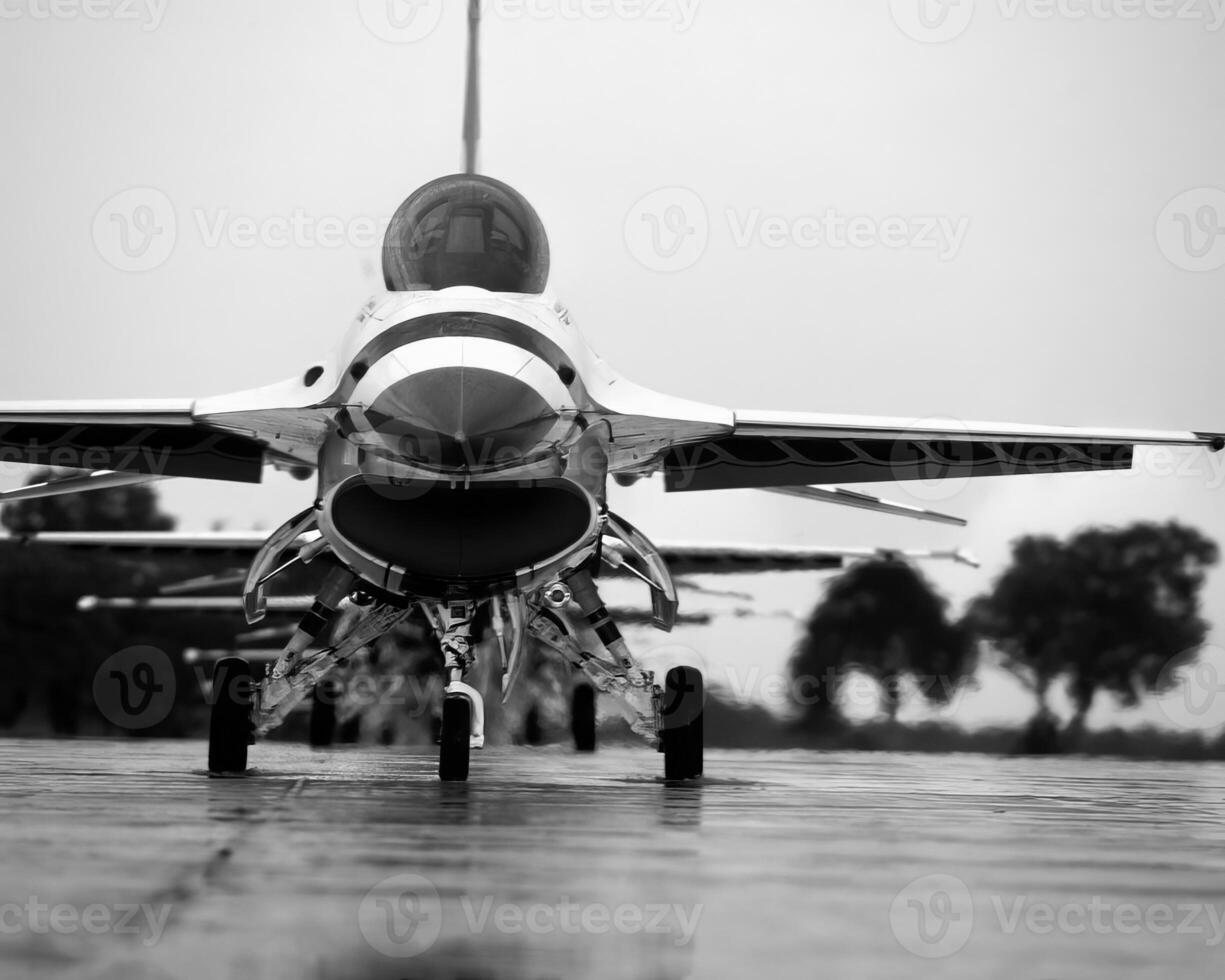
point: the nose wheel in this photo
(230, 729)
(680, 734)
(455, 740)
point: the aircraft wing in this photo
(152, 438)
(227, 438)
(762, 450)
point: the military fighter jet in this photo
(462, 437)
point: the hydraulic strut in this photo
(339, 583)
(596, 614)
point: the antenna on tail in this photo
(472, 103)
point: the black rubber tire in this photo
(323, 714)
(681, 737)
(582, 717)
(230, 730)
(533, 733)
(455, 741)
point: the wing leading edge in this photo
(772, 450)
(155, 439)
(227, 438)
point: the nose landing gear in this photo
(463, 709)
(455, 741)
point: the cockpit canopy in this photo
(466, 231)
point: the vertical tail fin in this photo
(472, 103)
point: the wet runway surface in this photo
(122, 861)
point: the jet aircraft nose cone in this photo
(463, 417)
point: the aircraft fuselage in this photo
(463, 464)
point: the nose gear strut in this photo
(463, 708)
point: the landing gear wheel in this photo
(533, 734)
(456, 740)
(230, 729)
(582, 717)
(323, 714)
(681, 734)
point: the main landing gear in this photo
(669, 717)
(244, 708)
(230, 729)
(681, 737)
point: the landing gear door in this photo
(664, 604)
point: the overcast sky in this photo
(971, 211)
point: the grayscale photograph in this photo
(496, 490)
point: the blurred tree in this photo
(1016, 616)
(884, 619)
(1108, 611)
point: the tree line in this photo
(1108, 611)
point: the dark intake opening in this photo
(487, 531)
